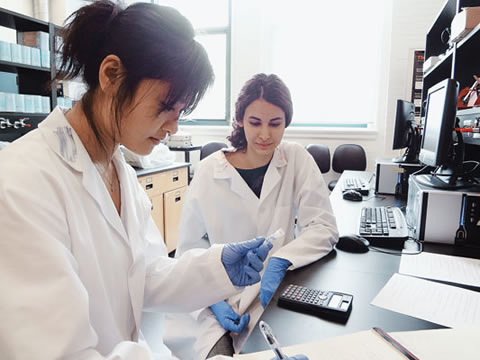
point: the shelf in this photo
(12, 64)
(447, 56)
(469, 111)
(471, 34)
(20, 114)
(19, 22)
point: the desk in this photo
(362, 275)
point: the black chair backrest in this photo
(321, 155)
(210, 148)
(349, 157)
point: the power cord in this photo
(418, 245)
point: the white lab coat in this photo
(220, 203)
(75, 275)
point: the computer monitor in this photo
(438, 146)
(405, 134)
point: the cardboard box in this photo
(464, 22)
(37, 39)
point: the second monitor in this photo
(406, 134)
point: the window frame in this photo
(227, 30)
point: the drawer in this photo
(157, 212)
(152, 184)
(173, 179)
(173, 201)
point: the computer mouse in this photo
(352, 195)
(353, 243)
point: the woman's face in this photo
(147, 122)
(264, 125)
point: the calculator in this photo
(332, 305)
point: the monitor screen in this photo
(404, 124)
(440, 118)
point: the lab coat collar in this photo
(224, 170)
(65, 142)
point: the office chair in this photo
(321, 155)
(210, 148)
(347, 157)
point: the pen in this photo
(271, 340)
(395, 344)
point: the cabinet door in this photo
(157, 212)
(173, 201)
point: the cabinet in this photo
(460, 60)
(31, 80)
(166, 188)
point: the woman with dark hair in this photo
(80, 256)
(258, 186)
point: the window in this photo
(329, 56)
(211, 20)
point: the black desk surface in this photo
(362, 275)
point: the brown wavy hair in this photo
(268, 87)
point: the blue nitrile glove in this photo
(244, 260)
(273, 275)
(228, 318)
(296, 357)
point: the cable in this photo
(422, 169)
(399, 253)
(375, 196)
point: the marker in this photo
(271, 340)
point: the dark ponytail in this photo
(152, 42)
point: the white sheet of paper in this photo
(437, 344)
(442, 267)
(438, 303)
(364, 345)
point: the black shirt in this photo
(254, 178)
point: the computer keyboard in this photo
(358, 184)
(383, 222)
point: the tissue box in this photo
(464, 22)
(36, 57)
(19, 103)
(45, 57)
(16, 51)
(46, 104)
(29, 103)
(5, 51)
(26, 55)
(37, 103)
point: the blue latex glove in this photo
(244, 260)
(296, 357)
(273, 275)
(228, 318)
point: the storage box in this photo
(464, 22)
(37, 39)
(36, 57)
(5, 51)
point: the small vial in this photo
(276, 235)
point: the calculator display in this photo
(334, 301)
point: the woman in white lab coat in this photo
(80, 256)
(260, 185)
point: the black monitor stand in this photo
(413, 149)
(450, 176)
